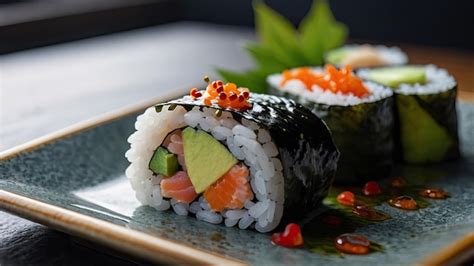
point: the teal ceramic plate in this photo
(74, 181)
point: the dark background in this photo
(27, 24)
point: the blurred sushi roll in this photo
(426, 110)
(225, 155)
(359, 115)
(366, 55)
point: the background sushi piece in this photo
(428, 130)
(426, 118)
(364, 135)
(366, 55)
(363, 132)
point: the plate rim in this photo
(153, 248)
(133, 242)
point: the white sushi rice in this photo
(390, 55)
(318, 95)
(247, 141)
(437, 80)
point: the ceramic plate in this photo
(74, 181)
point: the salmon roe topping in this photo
(226, 95)
(343, 81)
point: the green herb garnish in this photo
(282, 46)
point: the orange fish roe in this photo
(331, 79)
(225, 95)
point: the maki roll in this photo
(366, 55)
(226, 155)
(359, 115)
(426, 110)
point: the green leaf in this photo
(264, 58)
(282, 47)
(320, 32)
(277, 34)
(254, 80)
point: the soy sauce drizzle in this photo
(329, 232)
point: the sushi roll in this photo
(426, 111)
(225, 155)
(366, 55)
(359, 115)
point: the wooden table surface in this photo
(44, 90)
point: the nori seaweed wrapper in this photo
(363, 133)
(306, 149)
(428, 130)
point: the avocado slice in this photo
(423, 139)
(163, 162)
(394, 76)
(206, 158)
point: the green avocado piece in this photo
(206, 158)
(423, 139)
(336, 56)
(394, 76)
(163, 162)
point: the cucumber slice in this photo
(163, 162)
(394, 76)
(335, 57)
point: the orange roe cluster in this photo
(225, 95)
(343, 81)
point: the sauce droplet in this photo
(369, 213)
(291, 237)
(346, 198)
(398, 182)
(372, 188)
(434, 193)
(352, 244)
(404, 202)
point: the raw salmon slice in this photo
(231, 191)
(178, 187)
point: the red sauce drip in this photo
(369, 213)
(404, 202)
(290, 238)
(434, 193)
(372, 188)
(398, 182)
(352, 244)
(346, 198)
